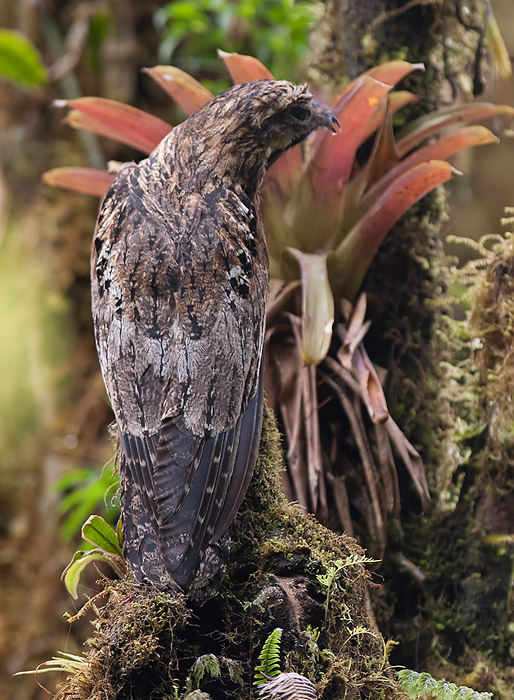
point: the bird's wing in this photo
(180, 363)
(197, 501)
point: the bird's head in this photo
(246, 128)
(271, 115)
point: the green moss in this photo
(132, 647)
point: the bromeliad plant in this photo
(326, 213)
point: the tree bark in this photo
(443, 578)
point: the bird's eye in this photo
(300, 113)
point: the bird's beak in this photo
(329, 120)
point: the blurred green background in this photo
(56, 455)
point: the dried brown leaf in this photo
(412, 460)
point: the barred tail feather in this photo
(180, 494)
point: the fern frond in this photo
(421, 685)
(269, 658)
(207, 664)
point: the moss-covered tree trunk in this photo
(286, 571)
(447, 577)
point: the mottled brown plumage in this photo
(179, 281)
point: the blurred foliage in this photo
(274, 31)
(35, 341)
(19, 59)
(82, 491)
(98, 31)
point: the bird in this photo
(179, 278)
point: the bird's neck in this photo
(206, 158)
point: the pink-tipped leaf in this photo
(187, 92)
(86, 180)
(429, 124)
(117, 121)
(349, 263)
(393, 71)
(244, 69)
(445, 147)
(390, 73)
(384, 155)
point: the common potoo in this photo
(179, 282)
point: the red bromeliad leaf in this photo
(181, 87)
(85, 180)
(319, 198)
(244, 69)
(317, 306)
(384, 156)
(393, 71)
(440, 150)
(396, 101)
(335, 154)
(286, 172)
(429, 124)
(348, 264)
(389, 73)
(117, 121)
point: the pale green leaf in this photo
(317, 305)
(20, 60)
(72, 573)
(97, 531)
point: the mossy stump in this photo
(150, 644)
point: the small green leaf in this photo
(71, 574)
(206, 665)
(20, 60)
(97, 531)
(119, 531)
